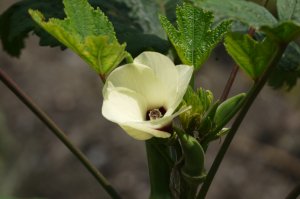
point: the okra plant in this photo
(156, 84)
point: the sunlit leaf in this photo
(251, 56)
(88, 33)
(194, 40)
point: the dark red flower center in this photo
(155, 113)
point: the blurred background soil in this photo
(263, 161)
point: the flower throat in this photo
(155, 113)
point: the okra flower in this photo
(142, 97)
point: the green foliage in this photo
(280, 78)
(194, 40)
(251, 56)
(144, 14)
(283, 32)
(16, 23)
(88, 33)
(247, 12)
(288, 10)
(287, 71)
(286, 30)
(290, 60)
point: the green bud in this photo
(213, 110)
(193, 100)
(205, 126)
(206, 98)
(189, 121)
(193, 170)
(227, 107)
(184, 119)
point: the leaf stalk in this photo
(236, 66)
(252, 96)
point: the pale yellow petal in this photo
(164, 69)
(141, 132)
(140, 79)
(122, 105)
(184, 76)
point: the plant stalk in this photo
(204, 143)
(159, 172)
(164, 153)
(60, 134)
(192, 192)
(236, 66)
(239, 119)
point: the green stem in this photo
(204, 143)
(192, 192)
(164, 153)
(55, 129)
(129, 59)
(238, 121)
(294, 193)
(159, 173)
(236, 66)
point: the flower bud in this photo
(227, 107)
(193, 170)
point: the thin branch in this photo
(236, 66)
(60, 134)
(238, 121)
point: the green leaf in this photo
(280, 78)
(251, 56)
(290, 60)
(288, 69)
(286, 30)
(289, 10)
(194, 40)
(144, 14)
(282, 32)
(88, 33)
(16, 23)
(247, 12)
